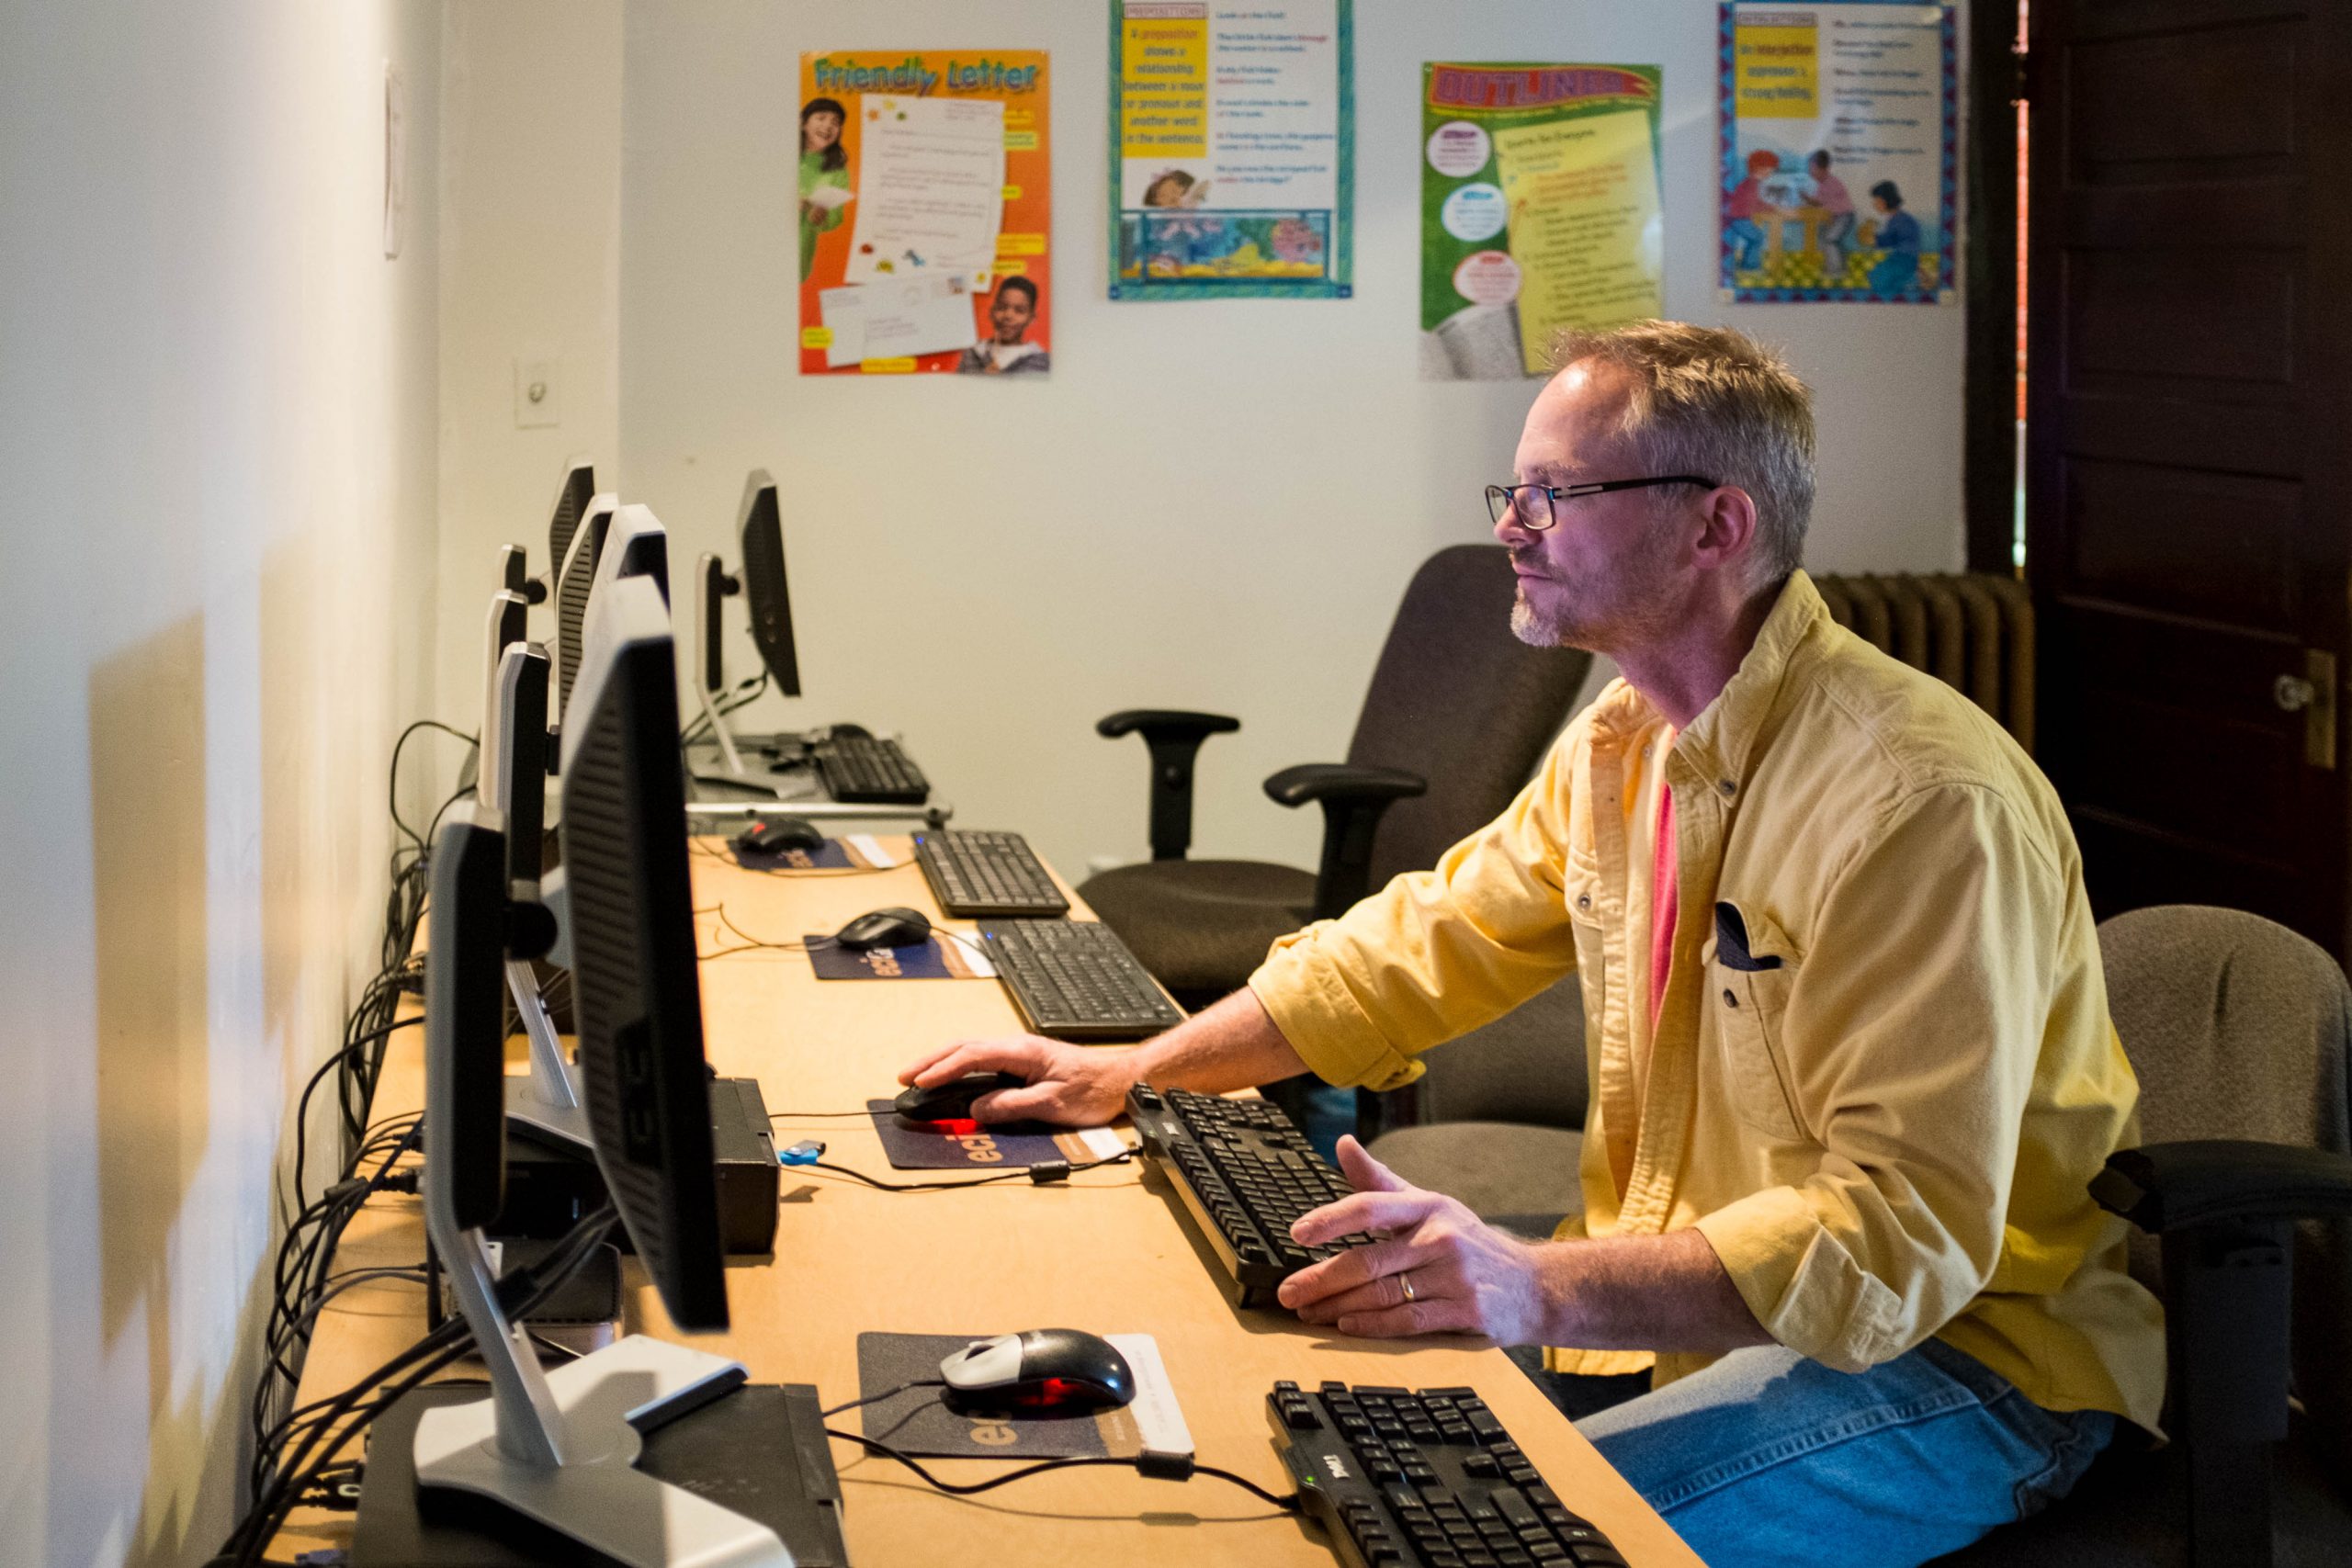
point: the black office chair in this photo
(1498, 1118)
(1458, 713)
(2238, 1030)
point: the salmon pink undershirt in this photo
(1664, 864)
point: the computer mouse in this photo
(1044, 1371)
(849, 732)
(777, 835)
(893, 926)
(951, 1100)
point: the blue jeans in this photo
(1768, 1458)
(1746, 237)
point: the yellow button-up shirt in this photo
(1882, 1074)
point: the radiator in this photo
(1971, 630)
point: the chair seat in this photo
(1495, 1168)
(2126, 1512)
(1201, 925)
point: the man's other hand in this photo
(1466, 1277)
(1071, 1085)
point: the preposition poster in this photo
(922, 204)
(1540, 211)
(1232, 149)
(1840, 151)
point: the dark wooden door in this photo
(2189, 290)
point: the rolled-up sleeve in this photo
(1912, 1033)
(1434, 954)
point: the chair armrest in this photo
(2171, 1187)
(1169, 721)
(2226, 1211)
(1342, 781)
(1173, 737)
(1354, 800)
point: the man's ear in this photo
(1728, 526)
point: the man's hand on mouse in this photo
(1465, 1276)
(1073, 1086)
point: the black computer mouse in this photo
(893, 926)
(951, 1100)
(777, 835)
(1045, 1371)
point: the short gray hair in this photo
(1715, 401)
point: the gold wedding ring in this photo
(1404, 1280)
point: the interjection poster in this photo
(922, 201)
(1840, 151)
(1540, 211)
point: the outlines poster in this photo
(1840, 157)
(1540, 211)
(1232, 149)
(924, 208)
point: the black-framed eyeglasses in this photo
(1534, 507)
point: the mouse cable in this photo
(1159, 1466)
(886, 1394)
(1041, 1173)
(819, 1115)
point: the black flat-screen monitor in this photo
(573, 495)
(636, 999)
(575, 580)
(760, 529)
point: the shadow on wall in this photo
(147, 808)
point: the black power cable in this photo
(1164, 1467)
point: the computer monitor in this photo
(636, 545)
(559, 1448)
(546, 1101)
(572, 494)
(760, 527)
(515, 574)
(509, 624)
(713, 588)
(575, 580)
(636, 995)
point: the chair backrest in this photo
(2238, 1028)
(1458, 700)
(1528, 1065)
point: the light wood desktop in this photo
(1106, 1254)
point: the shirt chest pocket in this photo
(1751, 968)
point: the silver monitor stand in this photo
(559, 1447)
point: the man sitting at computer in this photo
(1849, 1035)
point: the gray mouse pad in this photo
(919, 1422)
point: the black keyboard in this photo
(973, 874)
(1244, 1172)
(1076, 980)
(1396, 1475)
(863, 771)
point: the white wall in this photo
(530, 268)
(216, 424)
(1208, 504)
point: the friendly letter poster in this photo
(1840, 151)
(1233, 149)
(923, 205)
(1540, 211)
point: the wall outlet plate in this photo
(538, 393)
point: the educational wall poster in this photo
(1540, 211)
(1840, 151)
(924, 192)
(1232, 149)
